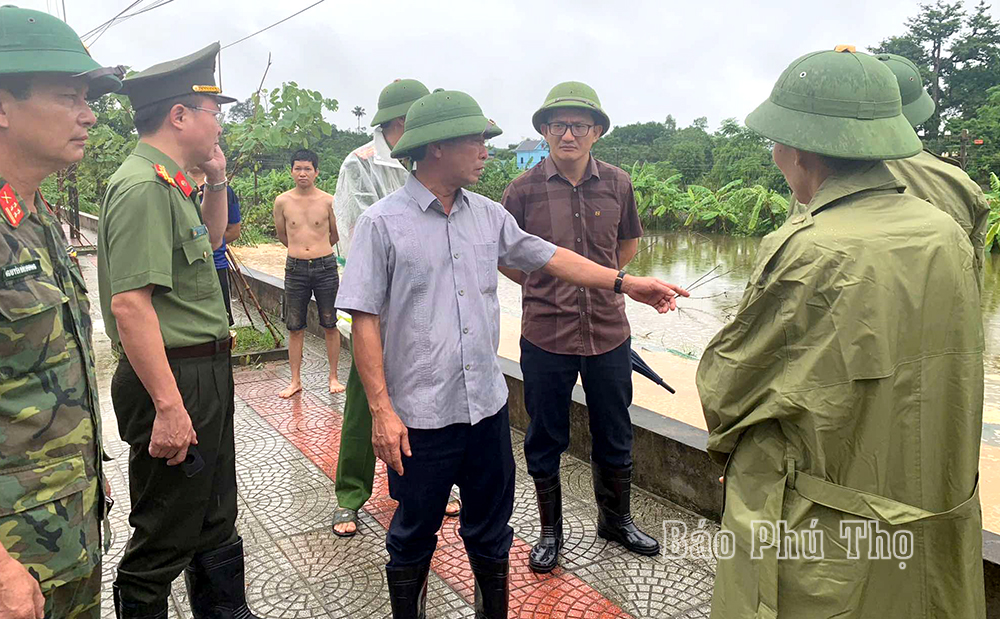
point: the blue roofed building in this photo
(530, 153)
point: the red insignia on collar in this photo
(183, 184)
(162, 173)
(8, 204)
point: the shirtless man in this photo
(305, 223)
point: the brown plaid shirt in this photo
(589, 219)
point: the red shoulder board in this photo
(8, 204)
(183, 184)
(162, 173)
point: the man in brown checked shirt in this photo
(586, 205)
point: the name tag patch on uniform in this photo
(23, 270)
(199, 231)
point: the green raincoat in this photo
(849, 386)
(943, 183)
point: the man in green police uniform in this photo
(846, 395)
(52, 498)
(173, 389)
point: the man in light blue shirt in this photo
(421, 285)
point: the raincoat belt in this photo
(841, 498)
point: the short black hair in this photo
(418, 154)
(149, 119)
(845, 166)
(304, 154)
(17, 84)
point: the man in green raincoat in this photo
(846, 395)
(939, 180)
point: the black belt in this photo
(207, 349)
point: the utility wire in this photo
(104, 27)
(123, 18)
(249, 36)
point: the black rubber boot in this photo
(612, 489)
(545, 554)
(216, 584)
(408, 590)
(492, 587)
(128, 610)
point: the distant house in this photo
(531, 152)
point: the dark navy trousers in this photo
(478, 459)
(548, 389)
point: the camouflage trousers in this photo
(80, 599)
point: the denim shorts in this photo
(304, 279)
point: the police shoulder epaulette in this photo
(164, 175)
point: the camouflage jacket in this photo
(51, 494)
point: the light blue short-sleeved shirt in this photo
(432, 279)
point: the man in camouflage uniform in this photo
(51, 493)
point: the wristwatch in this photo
(618, 281)
(216, 186)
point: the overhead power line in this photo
(98, 31)
(250, 36)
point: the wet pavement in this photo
(296, 567)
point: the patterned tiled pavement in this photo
(296, 567)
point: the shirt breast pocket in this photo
(31, 330)
(603, 220)
(486, 266)
(194, 270)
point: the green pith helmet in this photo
(572, 95)
(193, 74)
(36, 42)
(840, 104)
(443, 115)
(917, 104)
(396, 98)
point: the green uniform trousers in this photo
(356, 462)
(175, 516)
(80, 599)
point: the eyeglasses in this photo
(217, 113)
(579, 129)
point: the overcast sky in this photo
(645, 58)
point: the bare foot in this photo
(345, 527)
(453, 509)
(293, 388)
(335, 386)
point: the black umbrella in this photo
(640, 366)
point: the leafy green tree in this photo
(292, 118)
(739, 153)
(958, 54)
(985, 125)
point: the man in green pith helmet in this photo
(367, 175)
(939, 180)
(588, 206)
(163, 309)
(421, 285)
(846, 395)
(52, 488)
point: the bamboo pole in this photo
(278, 340)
